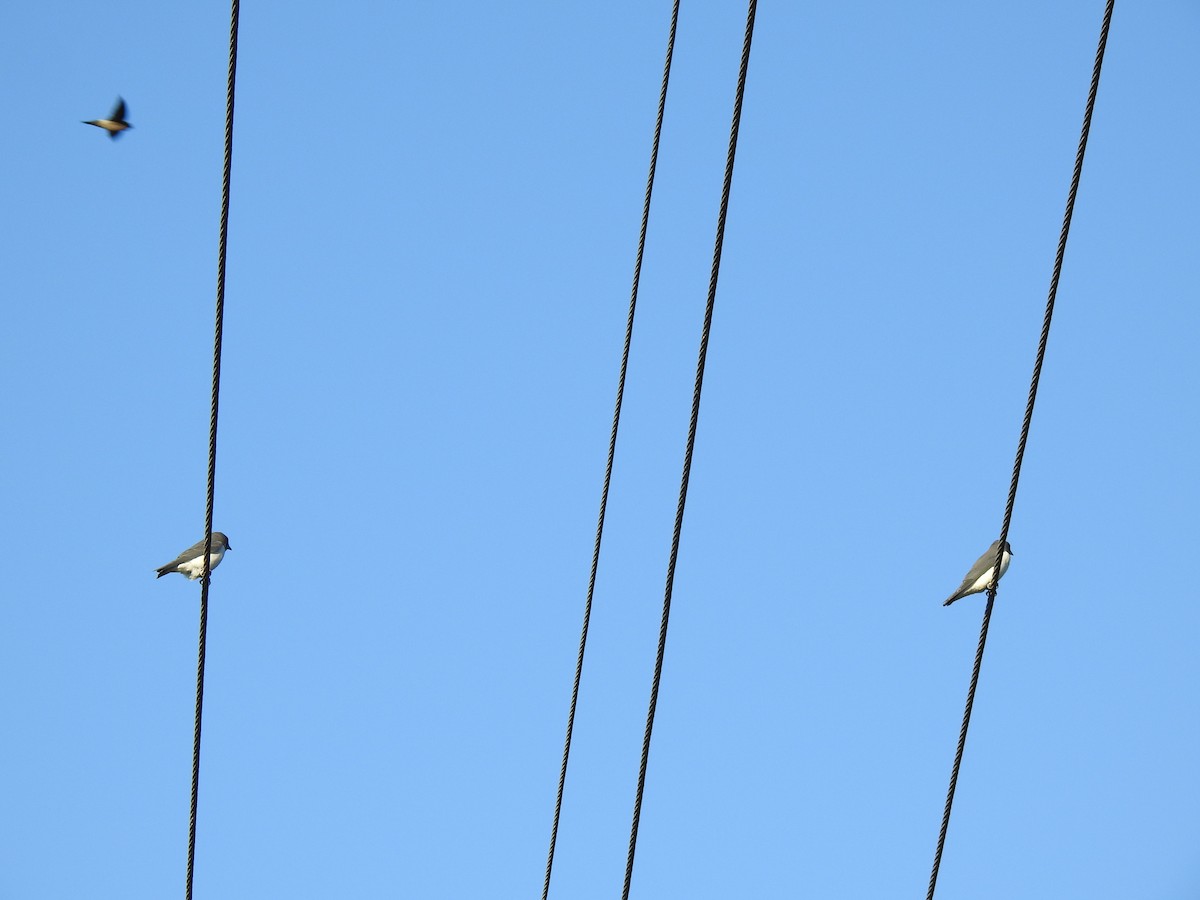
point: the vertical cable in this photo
(212, 444)
(612, 447)
(1016, 475)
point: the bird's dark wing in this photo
(981, 565)
(962, 588)
(118, 114)
(197, 549)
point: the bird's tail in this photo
(161, 572)
(952, 598)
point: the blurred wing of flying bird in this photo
(115, 123)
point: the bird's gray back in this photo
(197, 548)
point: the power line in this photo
(612, 445)
(691, 443)
(212, 442)
(1016, 475)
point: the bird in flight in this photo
(983, 573)
(191, 561)
(115, 123)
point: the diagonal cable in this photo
(1016, 475)
(691, 443)
(212, 444)
(612, 446)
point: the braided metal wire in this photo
(1016, 475)
(691, 443)
(612, 447)
(212, 445)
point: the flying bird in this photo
(115, 123)
(191, 561)
(981, 575)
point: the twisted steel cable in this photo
(612, 447)
(1016, 475)
(212, 444)
(691, 443)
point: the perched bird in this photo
(983, 572)
(115, 123)
(191, 561)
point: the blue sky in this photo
(432, 232)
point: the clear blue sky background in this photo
(432, 234)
